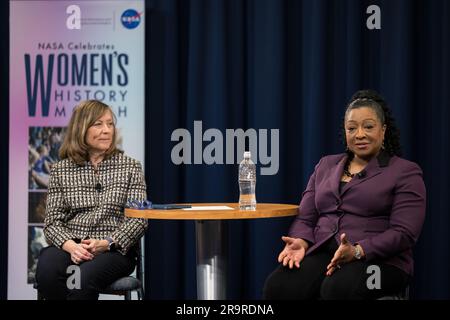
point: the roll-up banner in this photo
(61, 53)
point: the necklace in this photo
(346, 172)
(360, 174)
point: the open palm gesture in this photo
(293, 252)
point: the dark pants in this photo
(53, 273)
(349, 282)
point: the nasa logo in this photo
(131, 18)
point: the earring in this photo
(382, 145)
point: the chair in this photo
(122, 286)
(39, 295)
(126, 285)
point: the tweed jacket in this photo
(77, 209)
(382, 209)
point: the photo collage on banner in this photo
(43, 147)
(72, 51)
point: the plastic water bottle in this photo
(247, 183)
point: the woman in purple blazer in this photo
(359, 217)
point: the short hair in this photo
(83, 117)
(372, 99)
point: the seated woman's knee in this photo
(335, 288)
(279, 286)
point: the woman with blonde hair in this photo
(85, 221)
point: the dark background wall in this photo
(290, 65)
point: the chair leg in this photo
(38, 292)
(406, 293)
(128, 295)
(39, 296)
(140, 294)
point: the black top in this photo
(341, 185)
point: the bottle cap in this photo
(247, 155)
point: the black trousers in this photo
(55, 267)
(349, 282)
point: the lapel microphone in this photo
(98, 186)
(360, 175)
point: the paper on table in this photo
(209, 208)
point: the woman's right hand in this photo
(78, 254)
(294, 251)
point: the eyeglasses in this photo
(141, 205)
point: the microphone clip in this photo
(361, 174)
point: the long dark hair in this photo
(373, 100)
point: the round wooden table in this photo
(211, 237)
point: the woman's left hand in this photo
(95, 246)
(344, 254)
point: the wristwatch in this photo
(111, 244)
(358, 255)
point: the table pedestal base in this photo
(211, 259)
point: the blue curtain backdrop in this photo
(287, 65)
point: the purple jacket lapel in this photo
(337, 174)
(371, 170)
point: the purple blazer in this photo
(382, 209)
